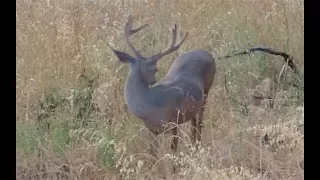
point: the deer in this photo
(178, 97)
(181, 95)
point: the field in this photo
(71, 118)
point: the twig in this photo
(287, 58)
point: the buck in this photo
(178, 97)
(182, 93)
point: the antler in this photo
(128, 31)
(173, 46)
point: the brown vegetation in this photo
(62, 133)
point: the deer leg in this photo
(194, 129)
(153, 144)
(174, 143)
(199, 122)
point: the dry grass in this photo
(68, 138)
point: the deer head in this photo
(147, 66)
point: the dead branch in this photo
(287, 58)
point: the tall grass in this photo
(71, 128)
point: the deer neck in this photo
(136, 93)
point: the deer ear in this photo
(124, 57)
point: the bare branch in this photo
(287, 58)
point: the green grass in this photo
(26, 138)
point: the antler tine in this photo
(128, 31)
(182, 40)
(173, 45)
(133, 31)
(174, 37)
